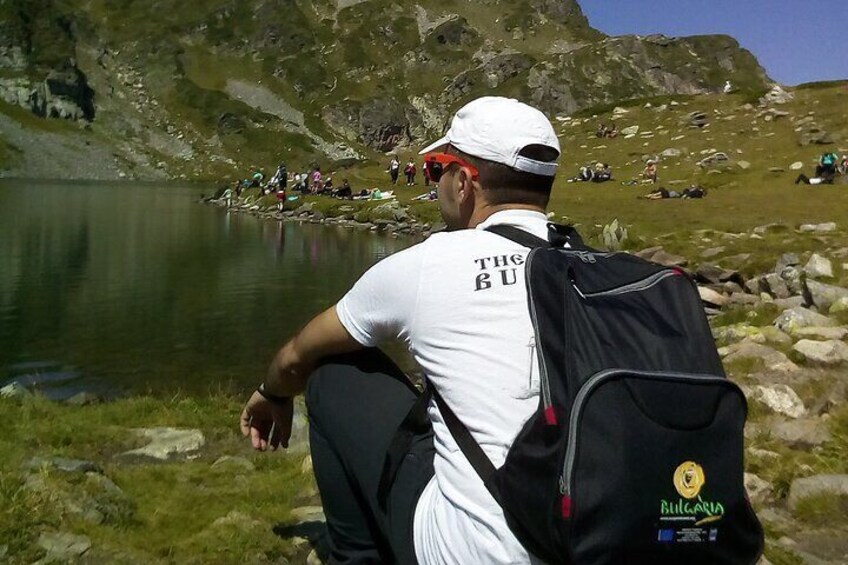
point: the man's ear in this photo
(466, 185)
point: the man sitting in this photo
(458, 301)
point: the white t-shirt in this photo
(459, 302)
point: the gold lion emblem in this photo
(689, 479)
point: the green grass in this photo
(173, 505)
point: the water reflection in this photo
(139, 286)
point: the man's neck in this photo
(483, 213)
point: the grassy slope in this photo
(176, 503)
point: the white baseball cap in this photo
(496, 129)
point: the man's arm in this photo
(322, 337)
(267, 416)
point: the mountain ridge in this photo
(200, 88)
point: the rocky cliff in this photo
(199, 88)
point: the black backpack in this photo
(635, 453)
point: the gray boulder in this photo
(772, 359)
(779, 398)
(801, 434)
(63, 547)
(823, 334)
(818, 267)
(831, 352)
(835, 485)
(800, 317)
(776, 286)
(167, 443)
(668, 260)
(818, 228)
(14, 390)
(840, 305)
(671, 153)
(712, 297)
(718, 159)
(824, 295)
(63, 464)
(786, 260)
(759, 491)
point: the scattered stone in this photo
(800, 317)
(716, 159)
(14, 390)
(759, 491)
(817, 484)
(231, 462)
(308, 514)
(796, 166)
(776, 286)
(831, 352)
(776, 170)
(801, 434)
(772, 359)
(779, 398)
(168, 443)
(63, 546)
(668, 260)
(63, 464)
(836, 333)
(696, 119)
(817, 228)
(630, 130)
(744, 165)
(712, 252)
(841, 305)
(777, 95)
(818, 267)
(791, 302)
(823, 295)
(671, 153)
(712, 297)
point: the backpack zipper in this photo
(544, 385)
(637, 286)
(565, 487)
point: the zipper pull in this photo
(586, 257)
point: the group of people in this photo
(410, 171)
(599, 172)
(604, 130)
(827, 169)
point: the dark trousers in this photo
(356, 403)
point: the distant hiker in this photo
(317, 183)
(649, 174)
(461, 318)
(843, 166)
(827, 165)
(394, 169)
(410, 171)
(280, 179)
(426, 174)
(727, 87)
(612, 132)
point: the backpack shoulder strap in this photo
(467, 444)
(558, 236)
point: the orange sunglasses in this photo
(437, 164)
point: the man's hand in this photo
(267, 423)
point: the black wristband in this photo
(271, 397)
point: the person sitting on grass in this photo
(661, 193)
(825, 177)
(344, 192)
(649, 174)
(602, 172)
